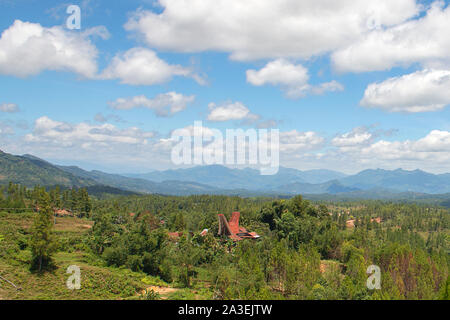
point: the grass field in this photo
(98, 281)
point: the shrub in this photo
(115, 256)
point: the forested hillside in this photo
(307, 250)
(30, 171)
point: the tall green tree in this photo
(43, 243)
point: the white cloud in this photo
(423, 41)
(265, 28)
(131, 148)
(362, 149)
(118, 148)
(332, 86)
(434, 147)
(28, 49)
(295, 141)
(9, 107)
(422, 91)
(357, 137)
(230, 111)
(279, 72)
(84, 135)
(163, 104)
(292, 78)
(140, 66)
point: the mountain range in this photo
(29, 170)
(250, 179)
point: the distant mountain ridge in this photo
(311, 182)
(29, 170)
(400, 180)
(250, 179)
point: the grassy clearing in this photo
(97, 280)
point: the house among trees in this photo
(63, 213)
(233, 230)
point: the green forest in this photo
(308, 250)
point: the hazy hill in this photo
(29, 171)
(400, 180)
(250, 179)
(331, 187)
(141, 185)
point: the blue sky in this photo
(349, 86)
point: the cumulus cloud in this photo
(434, 147)
(230, 111)
(354, 140)
(295, 141)
(291, 143)
(84, 135)
(163, 105)
(279, 72)
(422, 91)
(357, 137)
(364, 148)
(292, 78)
(423, 41)
(359, 149)
(140, 66)
(9, 107)
(126, 147)
(28, 48)
(260, 29)
(332, 86)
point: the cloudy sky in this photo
(351, 85)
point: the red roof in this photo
(175, 235)
(233, 230)
(234, 222)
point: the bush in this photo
(115, 256)
(22, 242)
(151, 295)
(134, 262)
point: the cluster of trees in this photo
(75, 200)
(306, 252)
(42, 241)
(18, 198)
(13, 196)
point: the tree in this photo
(187, 257)
(43, 243)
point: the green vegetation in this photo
(308, 250)
(43, 244)
(30, 171)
